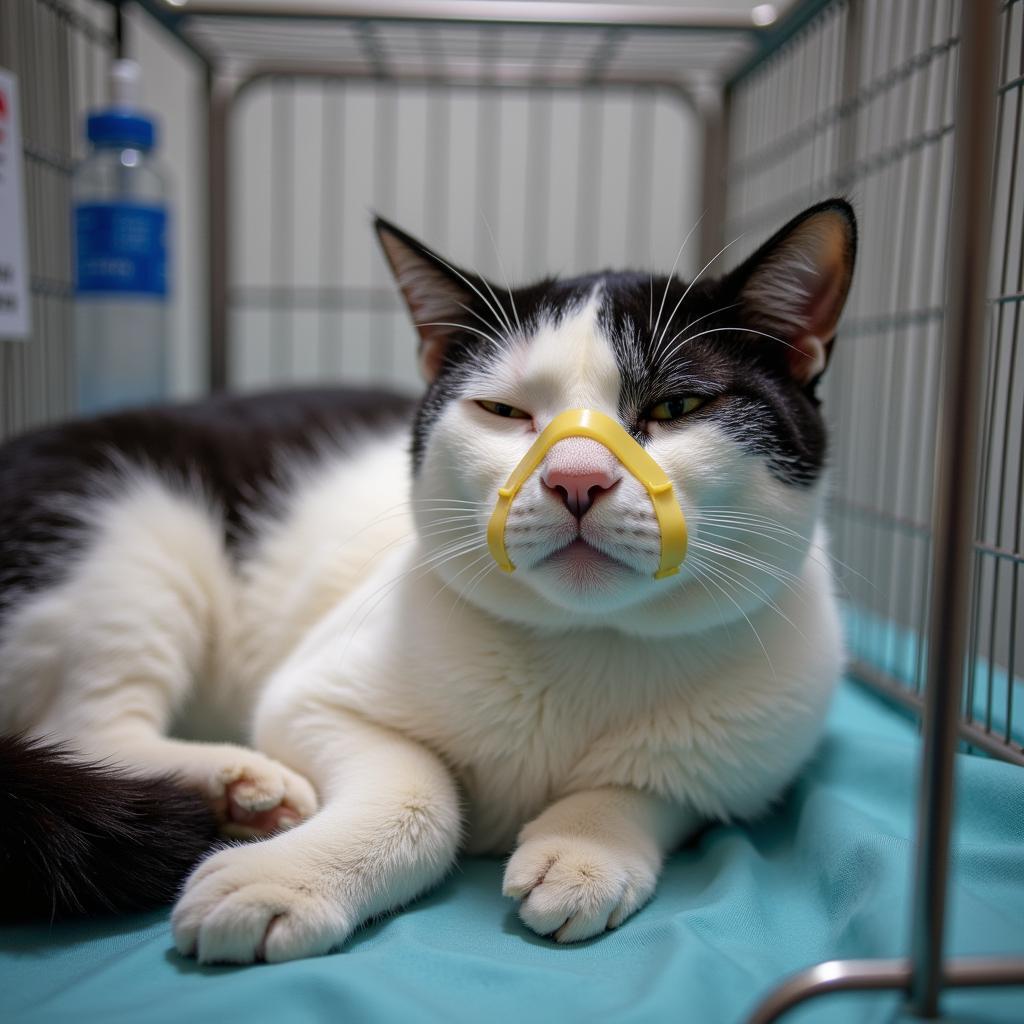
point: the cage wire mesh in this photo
(513, 183)
(60, 52)
(861, 102)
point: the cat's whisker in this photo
(731, 561)
(461, 327)
(700, 576)
(487, 284)
(504, 274)
(396, 512)
(764, 527)
(759, 526)
(747, 584)
(433, 561)
(713, 573)
(497, 311)
(496, 329)
(721, 330)
(812, 550)
(671, 273)
(413, 535)
(689, 288)
(721, 309)
(462, 593)
(474, 583)
(753, 560)
(729, 537)
(783, 578)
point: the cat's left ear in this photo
(795, 286)
(438, 295)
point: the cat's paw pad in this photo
(573, 888)
(253, 794)
(255, 903)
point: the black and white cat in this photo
(286, 573)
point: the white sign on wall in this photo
(15, 312)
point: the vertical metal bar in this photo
(954, 490)
(332, 177)
(63, 339)
(588, 190)
(1017, 536)
(219, 102)
(714, 108)
(538, 178)
(488, 162)
(436, 173)
(850, 85)
(930, 186)
(899, 215)
(846, 150)
(385, 157)
(992, 376)
(283, 116)
(640, 176)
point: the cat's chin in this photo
(581, 577)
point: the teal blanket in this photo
(736, 911)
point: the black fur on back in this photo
(84, 838)
(234, 447)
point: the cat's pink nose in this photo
(579, 471)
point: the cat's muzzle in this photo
(605, 430)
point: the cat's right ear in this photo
(438, 295)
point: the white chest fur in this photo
(524, 716)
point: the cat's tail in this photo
(79, 837)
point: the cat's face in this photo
(716, 381)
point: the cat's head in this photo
(715, 378)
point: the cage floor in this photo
(736, 910)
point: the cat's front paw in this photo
(252, 794)
(268, 901)
(573, 888)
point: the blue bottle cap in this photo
(121, 126)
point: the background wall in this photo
(513, 184)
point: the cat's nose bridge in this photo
(579, 470)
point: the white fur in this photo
(588, 722)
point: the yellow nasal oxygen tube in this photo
(596, 425)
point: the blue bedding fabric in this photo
(737, 910)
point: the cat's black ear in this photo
(438, 295)
(795, 286)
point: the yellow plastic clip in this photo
(596, 425)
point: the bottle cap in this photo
(122, 123)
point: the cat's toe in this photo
(572, 889)
(256, 795)
(240, 909)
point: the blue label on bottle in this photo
(122, 248)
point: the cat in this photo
(281, 604)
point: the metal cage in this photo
(913, 109)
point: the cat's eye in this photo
(675, 408)
(502, 409)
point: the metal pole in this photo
(954, 496)
(219, 97)
(714, 108)
(878, 976)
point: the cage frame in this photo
(925, 972)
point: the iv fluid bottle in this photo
(120, 229)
